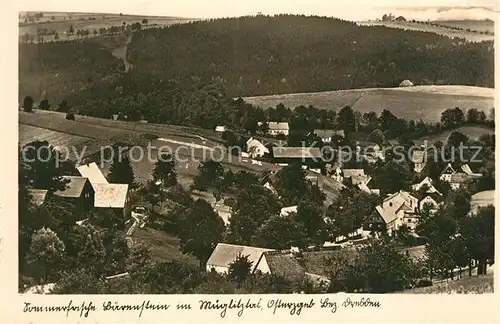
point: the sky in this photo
(350, 10)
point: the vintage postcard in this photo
(257, 161)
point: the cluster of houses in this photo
(90, 191)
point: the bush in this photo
(70, 115)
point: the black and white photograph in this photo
(256, 147)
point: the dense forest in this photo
(64, 70)
(285, 54)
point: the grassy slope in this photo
(467, 285)
(469, 36)
(420, 102)
(164, 247)
(473, 132)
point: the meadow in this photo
(412, 103)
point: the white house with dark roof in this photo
(276, 128)
(225, 254)
(447, 172)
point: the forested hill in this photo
(285, 54)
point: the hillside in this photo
(47, 24)
(469, 30)
(288, 54)
(412, 103)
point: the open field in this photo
(473, 132)
(480, 25)
(467, 285)
(442, 30)
(482, 199)
(412, 103)
(62, 22)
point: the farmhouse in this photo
(460, 178)
(79, 191)
(434, 200)
(225, 254)
(426, 185)
(256, 149)
(314, 266)
(113, 196)
(327, 136)
(399, 209)
(276, 128)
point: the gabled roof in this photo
(38, 196)
(295, 265)
(74, 187)
(448, 169)
(288, 210)
(360, 178)
(110, 195)
(225, 254)
(284, 264)
(389, 214)
(296, 152)
(278, 125)
(92, 172)
(348, 173)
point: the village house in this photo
(220, 129)
(313, 266)
(256, 149)
(276, 128)
(458, 178)
(419, 159)
(225, 254)
(328, 135)
(426, 184)
(398, 209)
(79, 191)
(286, 211)
(111, 196)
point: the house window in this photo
(390, 204)
(409, 220)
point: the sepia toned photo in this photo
(320, 148)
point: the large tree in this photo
(201, 230)
(280, 233)
(164, 170)
(121, 170)
(45, 255)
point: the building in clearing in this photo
(225, 254)
(276, 128)
(310, 156)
